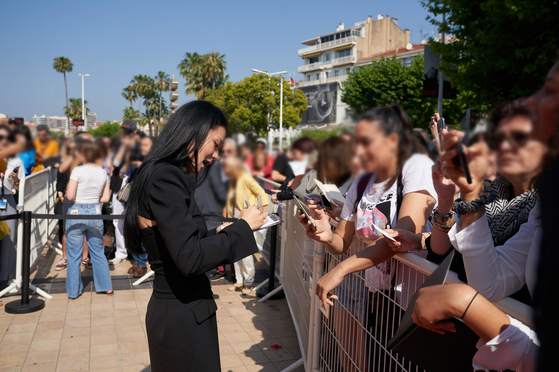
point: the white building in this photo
(55, 123)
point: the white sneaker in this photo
(116, 261)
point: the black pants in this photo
(182, 337)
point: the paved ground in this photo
(107, 333)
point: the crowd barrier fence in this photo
(353, 334)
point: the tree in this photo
(107, 129)
(129, 94)
(63, 65)
(203, 72)
(502, 49)
(130, 114)
(389, 82)
(163, 84)
(143, 86)
(247, 103)
(74, 111)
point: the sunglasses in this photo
(515, 139)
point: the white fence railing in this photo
(37, 194)
(352, 336)
(327, 45)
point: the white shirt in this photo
(299, 167)
(516, 348)
(91, 181)
(378, 207)
(8, 181)
(498, 272)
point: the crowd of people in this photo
(177, 192)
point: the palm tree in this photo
(129, 94)
(191, 68)
(74, 111)
(163, 84)
(214, 67)
(129, 113)
(63, 65)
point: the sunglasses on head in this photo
(515, 139)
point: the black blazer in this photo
(180, 248)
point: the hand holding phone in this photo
(305, 212)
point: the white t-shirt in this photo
(378, 206)
(8, 181)
(91, 181)
(299, 166)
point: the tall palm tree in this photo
(129, 113)
(74, 111)
(214, 67)
(192, 69)
(163, 84)
(63, 65)
(129, 94)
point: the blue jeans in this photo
(93, 230)
(141, 259)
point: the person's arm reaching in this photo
(278, 177)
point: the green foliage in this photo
(63, 65)
(107, 129)
(130, 114)
(75, 109)
(203, 72)
(502, 48)
(247, 103)
(53, 134)
(319, 135)
(389, 82)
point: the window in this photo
(308, 77)
(327, 57)
(336, 72)
(313, 59)
(344, 53)
(347, 70)
(327, 73)
(317, 77)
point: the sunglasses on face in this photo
(515, 139)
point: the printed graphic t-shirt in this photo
(378, 207)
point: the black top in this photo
(180, 248)
(281, 164)
(62, 182)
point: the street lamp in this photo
(83, 101)
(281, 100)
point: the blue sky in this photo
(114, 40)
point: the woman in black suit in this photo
(163, 216)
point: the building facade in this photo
(329, 58)
(55, 123)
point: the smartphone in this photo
(440, 126)
(304, 211)
(464, 162)
(16, 169)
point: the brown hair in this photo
(517, 107)
(89, 150)
(334, 161)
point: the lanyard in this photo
(2, 178)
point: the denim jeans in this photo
(93, 230)
(141, 259)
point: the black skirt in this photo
(182, 337)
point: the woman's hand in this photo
(446, 189)
(224, 225)
(323, 233)
(253, 217)
(477, 163)
(436, 304)
(337, 208)
(406, 241)
(327, 283)
(435, 130)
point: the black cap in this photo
(130, 125)
(12, 120)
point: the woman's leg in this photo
(74, 246)
(101, 273)
(239, 272)
(248, 271)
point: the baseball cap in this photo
(129, 124)
(263, 141)
(12, 120)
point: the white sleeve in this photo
(417, 175)
(76, 173)
(21, 169)
(347, 211)
(496, 272)
(516, 348)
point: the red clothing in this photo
(267, 169)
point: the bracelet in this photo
(444, 217)
(440, 226)
(470, 304)
(461, 207)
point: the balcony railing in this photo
(328, 45)
(332, 79)
(328, 64)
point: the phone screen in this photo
(304, 211)
(440, 126)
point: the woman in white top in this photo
(14, 172)
(87, 188)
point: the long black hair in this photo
(178, 145)
(393, 119)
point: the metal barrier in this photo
(352, 336)
(37, 194)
